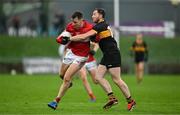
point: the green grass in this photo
(23, 94)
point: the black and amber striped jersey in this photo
(139, 47)
(140, 50)
(106, 40)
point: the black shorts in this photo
(139, 59)
(111, 60)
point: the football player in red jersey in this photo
(90, 66)
(111, 60)
(75, 57)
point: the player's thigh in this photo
(115, 72)
(92, 72)
(63, 69)
(136, 66)
(72, 69)
(141, 65)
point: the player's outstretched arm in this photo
(83, 36)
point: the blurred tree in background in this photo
(43, 16)
(3, 28)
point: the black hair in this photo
(77, 14)
(101, 11)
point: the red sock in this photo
(92, 96)
(57, 99)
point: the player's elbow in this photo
(95, 82)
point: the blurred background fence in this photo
(28, 30)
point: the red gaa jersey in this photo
(80, 48)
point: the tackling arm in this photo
(83, 36)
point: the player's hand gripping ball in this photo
(64, 38)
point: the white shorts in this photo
(90, 65)
(70, 58)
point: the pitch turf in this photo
(23, 94)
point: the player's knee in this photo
(98, 79)
(67, 82)
(95, 81)
(115, 81)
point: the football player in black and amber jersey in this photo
(139, 49)
(111, 60)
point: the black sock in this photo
(129, 99)
(61, 76)
(110, 94)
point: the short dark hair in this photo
(101, 11)
(77, 14)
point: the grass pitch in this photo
(23, 94)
